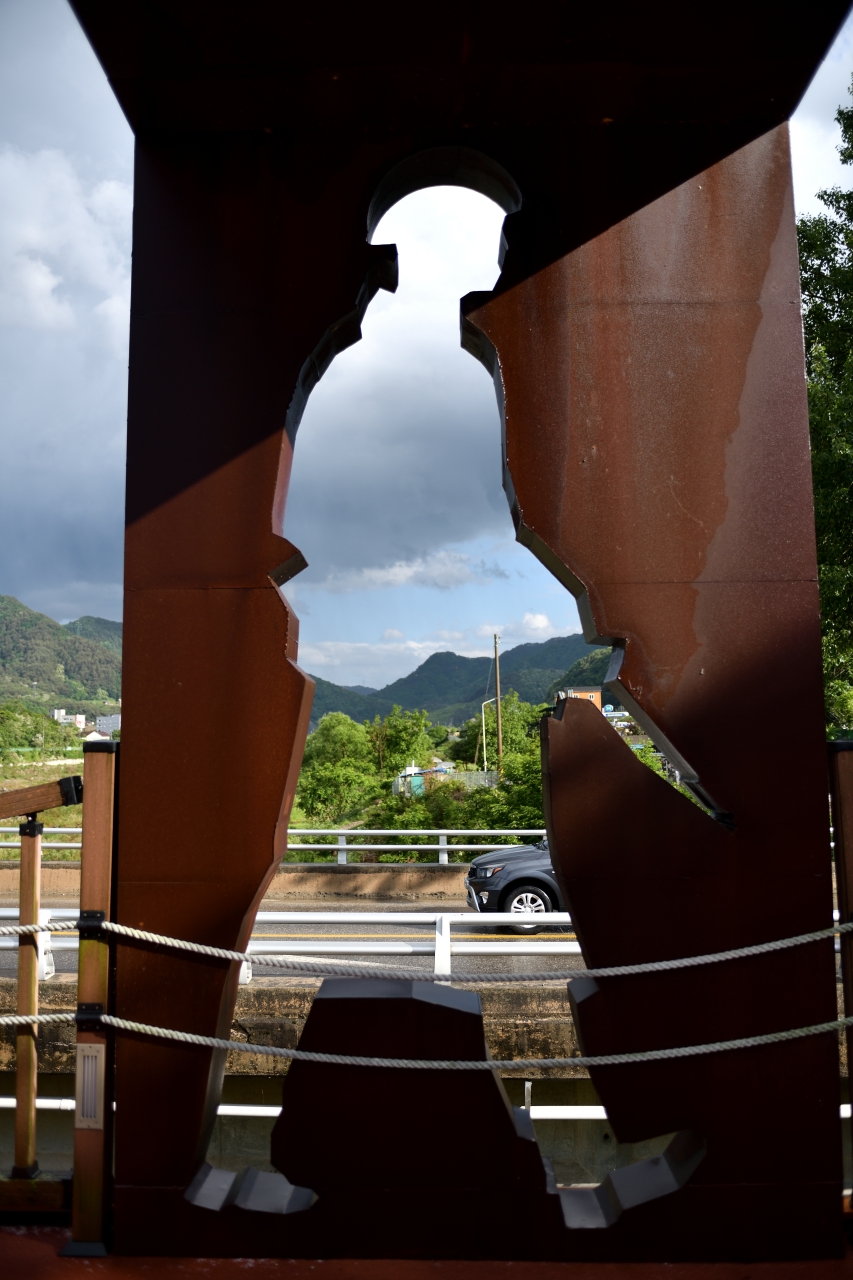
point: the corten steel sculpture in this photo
(645, 341)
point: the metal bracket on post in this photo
(89, 925)
(442, 853)
(342, 849)
(71, 789)
(31, 827)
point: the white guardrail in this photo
(347, 840)
(440, 943)
(248, 1110)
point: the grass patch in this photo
(22, 772)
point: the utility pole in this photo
(498, 702)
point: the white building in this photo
(58, 714)
(108, 724)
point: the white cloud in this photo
(356, 662)
(376, 665)
(442, 570)
(398, 455)
(64, 247)
(814, 134)
(537, 623)
(391, 633)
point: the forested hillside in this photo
(588, 671)
(334, 697)
(44, 664)
(452, 688)
(78, 667)
(100, 629)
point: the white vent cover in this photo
(89, 1112)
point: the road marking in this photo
(390, 937)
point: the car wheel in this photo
(527, 899)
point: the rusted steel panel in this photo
(658, 449)
(647, 328)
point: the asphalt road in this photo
(275, 932)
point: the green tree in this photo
(327, 792)
(650, 758)
(22, 727)
(519, 720)
(517, 799)
(337, 738)
(587, 672)
(399, 739)
(826, 266)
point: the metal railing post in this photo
(26, 1054)
(442, 853)
(46, 964)
(93, 1113)
(342, 849)
(442, 944)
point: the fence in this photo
(414, 784)
(96, 1025)
(346, 840)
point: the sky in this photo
(418, 556)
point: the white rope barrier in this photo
(441, 1064)
(351, 970)
(523, 1064)
(20, 930)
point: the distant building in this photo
(591, 694)
(58, 714)
(108, 724)
(414, 781)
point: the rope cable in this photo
(421, 1064)
(329, 969)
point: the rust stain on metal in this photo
(649, 360)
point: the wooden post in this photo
(26, 1063)
(841, 793)
(93, 1114)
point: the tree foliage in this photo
(42, 661)
(399, 739)
(337, 738)
(826, 266)
(329, 791)
(22, 727)
(518, 720)
(348, 769)
(588, 672)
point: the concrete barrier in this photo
(379, 881)
(307, 881)
(524, 1021)
(60, 883)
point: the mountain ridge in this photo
(452, 687)
(78, 666)
(43, 662)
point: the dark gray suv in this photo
(519, 879)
